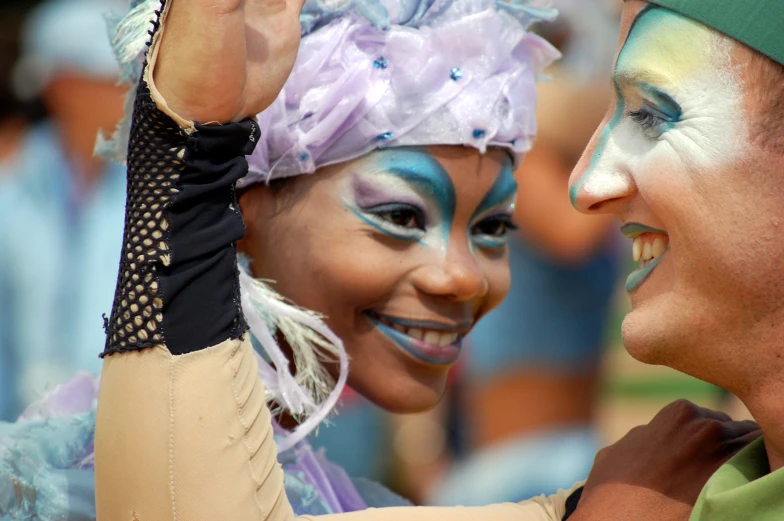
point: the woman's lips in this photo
(432, 342)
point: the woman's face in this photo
(402, 250)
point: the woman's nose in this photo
(458, 277)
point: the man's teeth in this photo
(438, 338)
(645, 250)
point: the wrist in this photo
(624, 502)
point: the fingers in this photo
(685, 411)
(713, 415)
(739, 429)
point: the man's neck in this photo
(767, 408)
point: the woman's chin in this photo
(404, 394)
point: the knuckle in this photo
(681, 411)
(708, 429)
(601, 455)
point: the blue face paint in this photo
(658, 113)
(620, 109)
(504, 190)
(667, 107)
(409, 169)
(380, 227)
(406, 194)
(634, 230)
(638, 276)
(432, 354)
(607, 131)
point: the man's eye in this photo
(646, 119)
(652, 121)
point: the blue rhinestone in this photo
(479, 133)
(385, 136)
(380, 63)
(303, 156)
(456, 73)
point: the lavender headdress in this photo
(405, 73)
(370, 74)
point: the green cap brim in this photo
(756, 23)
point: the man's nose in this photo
(601, 182)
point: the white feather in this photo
(310, 393)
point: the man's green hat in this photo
(757, 23)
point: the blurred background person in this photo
(61, 209)
(13, 123)
(13, 117)
(532, 365)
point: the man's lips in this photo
(649, 246)
(431, 341)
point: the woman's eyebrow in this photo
(504, 187)
(426, 175)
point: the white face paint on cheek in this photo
(714, 130)
(689, 64)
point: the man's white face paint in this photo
(678, 109)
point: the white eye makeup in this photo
(493, 217)
(406, 194)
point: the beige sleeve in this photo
(189, 438)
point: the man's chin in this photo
(643, 335)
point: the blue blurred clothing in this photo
(59, 252)
(520, 468)
(554, 317)
(47, 465)
(358, 439)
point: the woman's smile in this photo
(429, 341)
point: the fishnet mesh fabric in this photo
(155, 163)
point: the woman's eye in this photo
(492, 232)
(404, 218)
(493, 228)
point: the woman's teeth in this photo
(437, 338)
(648, 247)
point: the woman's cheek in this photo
(499, 280)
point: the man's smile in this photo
(649, 246)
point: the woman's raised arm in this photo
(183, 432)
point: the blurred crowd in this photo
(519, 418)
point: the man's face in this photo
(702, 204)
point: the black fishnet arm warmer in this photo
(178, 282)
